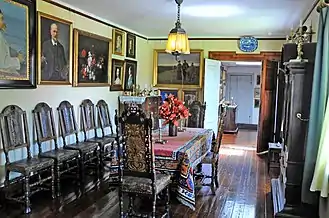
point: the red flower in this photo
(173, 110)
(83, 53)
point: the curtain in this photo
(319, 99)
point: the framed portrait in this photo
(92, 59)
(131, 46)
(130, 74)
(256, 103)
(186, 71)
(118, 42)
(117, 75)
(164, 93)
(258, 80)
(55, 53)
(256, 92)
(189, 96)
(18, 44)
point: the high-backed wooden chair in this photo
(138, 176)
(88, 150)
(104, 119)
(65, 160)
(197, 111)
(14, 134)
(213, 156)
(105, 142)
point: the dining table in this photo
(180, 156)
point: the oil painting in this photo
(17, 44)
(189, 96)
(164, 93)
(130, 75)
(91, 59)
(117, 75)
(118, 42)
(55, 41)
(186, 70)
(131, 46)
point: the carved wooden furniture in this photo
(68, 127)
(197, 111)
(65, 160)
(286, 190)
(105, 142)
(230, 125)
(14, 134)
(213, 156)
(273, 158)
(149, 105)
(138, 176)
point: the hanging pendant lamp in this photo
(178, 43)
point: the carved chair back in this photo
(104, 119)
(87, 109)
(197, 111)
(217, 143)
(138, 151)
(43, 119)
(67, 121)
(14, 133)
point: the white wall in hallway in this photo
(245, 70)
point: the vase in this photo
(172, 129)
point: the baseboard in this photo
(247, 126)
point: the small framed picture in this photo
(118, 42)
(165, 92)
(257, 93)
(258, 80)
(256, 103)
(117, 75)
(130, 75)
(131, 46)
(189, 96)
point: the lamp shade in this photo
(178, 42)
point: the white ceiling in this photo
(200, 18)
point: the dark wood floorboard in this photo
(244, 191)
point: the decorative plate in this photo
(248, 44)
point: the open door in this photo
(211, 93)
(267, 105)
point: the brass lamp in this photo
(178, 43)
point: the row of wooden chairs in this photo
(45, 170)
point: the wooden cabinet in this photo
(149, 104)
(230, 125)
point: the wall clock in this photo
(248, 44)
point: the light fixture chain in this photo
(178, 13)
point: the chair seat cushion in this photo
(60, 154)
(26, 166)
(102, 141)
(83, 147)
(142, 185)
(208, 159)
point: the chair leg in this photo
(78, 169)
(53, 193)
(98, 163)
(212, 185)
(121, 203)
(216, 174)
(58, 180)
(27, 195)
(131, 206)
(167, 206)
(154, 206)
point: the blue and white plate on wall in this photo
(248, 44)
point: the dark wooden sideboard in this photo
(230, 125)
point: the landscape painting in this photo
(17, 43)
(186, 70)
(91, 59)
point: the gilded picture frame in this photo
(130, 75)
(166, 69)
(92, 59)
(117, 75)
(131, 46)
(19, 63)
(118, 37)
(190, 95)
(64, 44)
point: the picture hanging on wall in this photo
(55, 53)
(130, 75)
(164, 93)
(92, 59)
(256, 92)
(189, 96)
(256, 103)
(118, 42)
(258, 80)
(18, 44)
(131, 46)
(117, 75)
(169, 72)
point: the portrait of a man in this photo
(130, 75)
(131, 46)
(13, 47)
(55, 36)
(118, 41)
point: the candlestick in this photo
(160, 140)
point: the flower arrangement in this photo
(173, 110)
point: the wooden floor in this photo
(243, 193)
